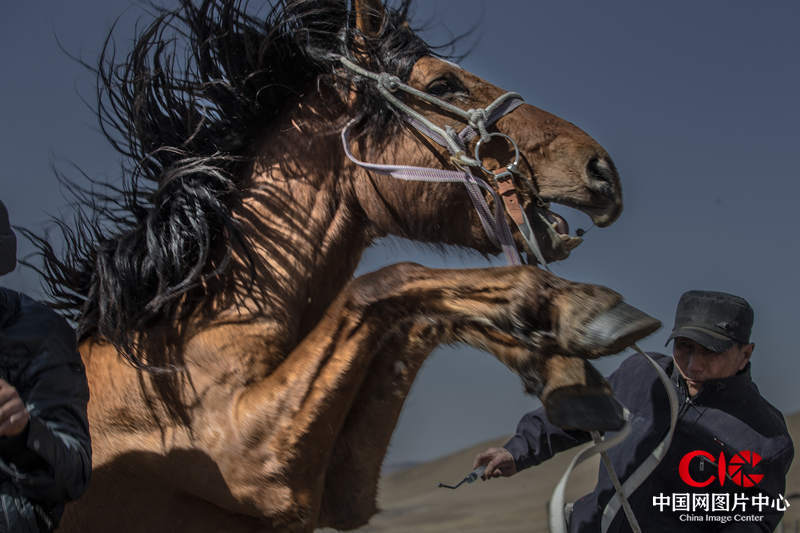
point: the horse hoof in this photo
(615, 329)
(573, 407)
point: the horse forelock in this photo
(184, 108)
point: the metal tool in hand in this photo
(472, 476)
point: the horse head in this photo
(557, 161)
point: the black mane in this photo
(183, 108)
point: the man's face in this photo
(697, 363)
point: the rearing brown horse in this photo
(240, 379)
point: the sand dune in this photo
(411, 501)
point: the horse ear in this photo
(369, 16)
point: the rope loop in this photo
(477, 118)
(389, 81)
(453, 136)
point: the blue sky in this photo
(695, 101)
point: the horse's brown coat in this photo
(291, 411)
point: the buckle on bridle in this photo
(503, 176)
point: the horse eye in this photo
(444, 86)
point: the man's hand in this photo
(498, 462)
(13, 414)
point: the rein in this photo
(557, 519)
(478, 120)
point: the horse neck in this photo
(307, 233)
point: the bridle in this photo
(478, 120)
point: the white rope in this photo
(557, 518)
(558, 523)
(647, 467)
(620, 492)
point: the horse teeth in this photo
(569, 242)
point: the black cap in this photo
(715, 320)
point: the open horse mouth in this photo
(551, 231)
(561, 242)
(596, 193)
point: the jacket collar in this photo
(716, 387)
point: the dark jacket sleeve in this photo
(54, 463)
(537, 440)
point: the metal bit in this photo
(472, 476)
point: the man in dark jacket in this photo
(45, 452)
(725, 467)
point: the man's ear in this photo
(747, 352)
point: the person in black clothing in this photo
(722, 418)
(45, 451)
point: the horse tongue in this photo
(561, 225)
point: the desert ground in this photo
(411, 501)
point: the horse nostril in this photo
(602, 176)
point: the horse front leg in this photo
(532, 321)
(573, 392)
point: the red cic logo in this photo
(739, 469)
